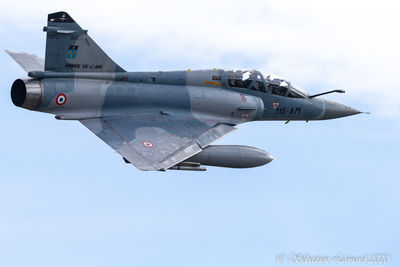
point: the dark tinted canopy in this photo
(267, 83)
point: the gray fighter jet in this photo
(158, 120)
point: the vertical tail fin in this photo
(70, 49)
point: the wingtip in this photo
(11, 52)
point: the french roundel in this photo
(61, 99)
(147, 144)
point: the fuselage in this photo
(234, 96)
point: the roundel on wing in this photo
(147, 144)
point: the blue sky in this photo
(66, 199)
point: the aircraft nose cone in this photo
(336, 110)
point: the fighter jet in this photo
(158, 120)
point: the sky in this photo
(67, 199)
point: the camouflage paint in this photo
(157, 120)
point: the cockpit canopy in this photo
(266, 83)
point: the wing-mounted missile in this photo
(183, 166)
(188, 166)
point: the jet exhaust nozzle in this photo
(27, 93)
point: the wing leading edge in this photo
(156, 142)
(29, 62)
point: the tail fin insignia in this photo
(64, 37)
(73, 50)
(62, 17)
